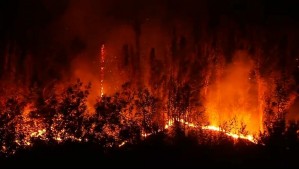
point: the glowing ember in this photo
(122, 144)
(58, 139)
(38, 133)
(102, 67)
(146, 134)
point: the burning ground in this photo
(118, 75)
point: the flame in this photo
(123, 143)
(59, 139)
(146, 134)
(233, 135)
(38, 133)
(214, 128)
(28, 108)
(234, 94)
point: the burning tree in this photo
(275, 114)
(145, 110)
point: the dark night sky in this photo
(32, 22)
(55, 31)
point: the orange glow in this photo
(233, 135)
(234, 97)
(28, 108)
(215, 128)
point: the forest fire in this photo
(229, 108)
(126, 73)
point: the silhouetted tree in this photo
(145, 109)
(72, 108)
(108, 120)
(49, 111)
(8, 120)
(275, 115)
(291, 134)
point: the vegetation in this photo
(127, 117)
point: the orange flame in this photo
(214, 128)
(235, 94)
